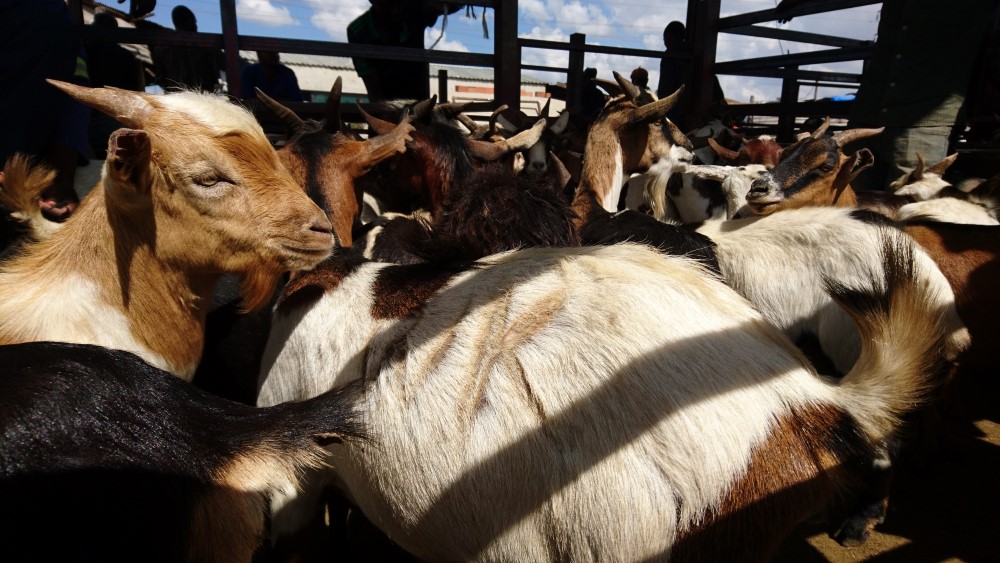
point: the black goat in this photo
(112, 459)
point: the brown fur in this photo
(331, 163)
(814, 447)
(169, 219)
(403, 290)
(22, 202)
(969, 257)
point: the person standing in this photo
(396, 23)
(916, 82)
(273, 78)
(679, 71)
(183, 67)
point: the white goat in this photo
(193, 190)
(587, 404)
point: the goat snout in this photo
(537, 167)
(759, 188)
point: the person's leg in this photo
(929, 142)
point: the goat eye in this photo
(209, 180)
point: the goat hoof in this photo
(855, 531)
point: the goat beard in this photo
(258, 287)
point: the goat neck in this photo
(627, 138)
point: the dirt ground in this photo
(944, 504)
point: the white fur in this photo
(610, 202)
(80, 316)
(779, 262)
(947, 210)
(522, 415)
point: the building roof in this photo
(471, 73)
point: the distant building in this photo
(316, 74)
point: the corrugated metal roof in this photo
(479, 74)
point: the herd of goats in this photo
(535, 341)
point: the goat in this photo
(488, 389)
(813, 171)
(937, 200)
(121, 461)
(330, 182)
(438, 157)
(135, 266)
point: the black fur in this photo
(102, 457)
(497, 211)
(632, 226)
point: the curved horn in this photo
(451, 110)
(423, 109)
(494, 116)
(130, 108)
(485, 150)
(629, 89)
(380, 126)
(333, 122)
(821, 130)
(475, 130)
(658, 109)
(852, 135)
(608, 86)
(918, 172)
(722, 151)
(939, 167)
(287, 117)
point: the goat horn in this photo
(939, 167)
(629, 89)
(658, 109)
(333, 123)
(608, 86)
(494, 116)
(129, 108)
(852, 135)
(918, 172)
(451, 110)
(545, 109)
(475, 130)
(486, 151)
(722, 151)
(380, 126)
(423, 109)
(287, 117)
(821, 130)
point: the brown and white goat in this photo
(326, 161)
(191, 190)
(813, 171)
(588, 403)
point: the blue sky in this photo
(623, 23)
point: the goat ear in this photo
(857, 163)
(131, 109)
(128, 163)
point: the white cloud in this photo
(333, 17)
(264, 12)
(431, 35)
